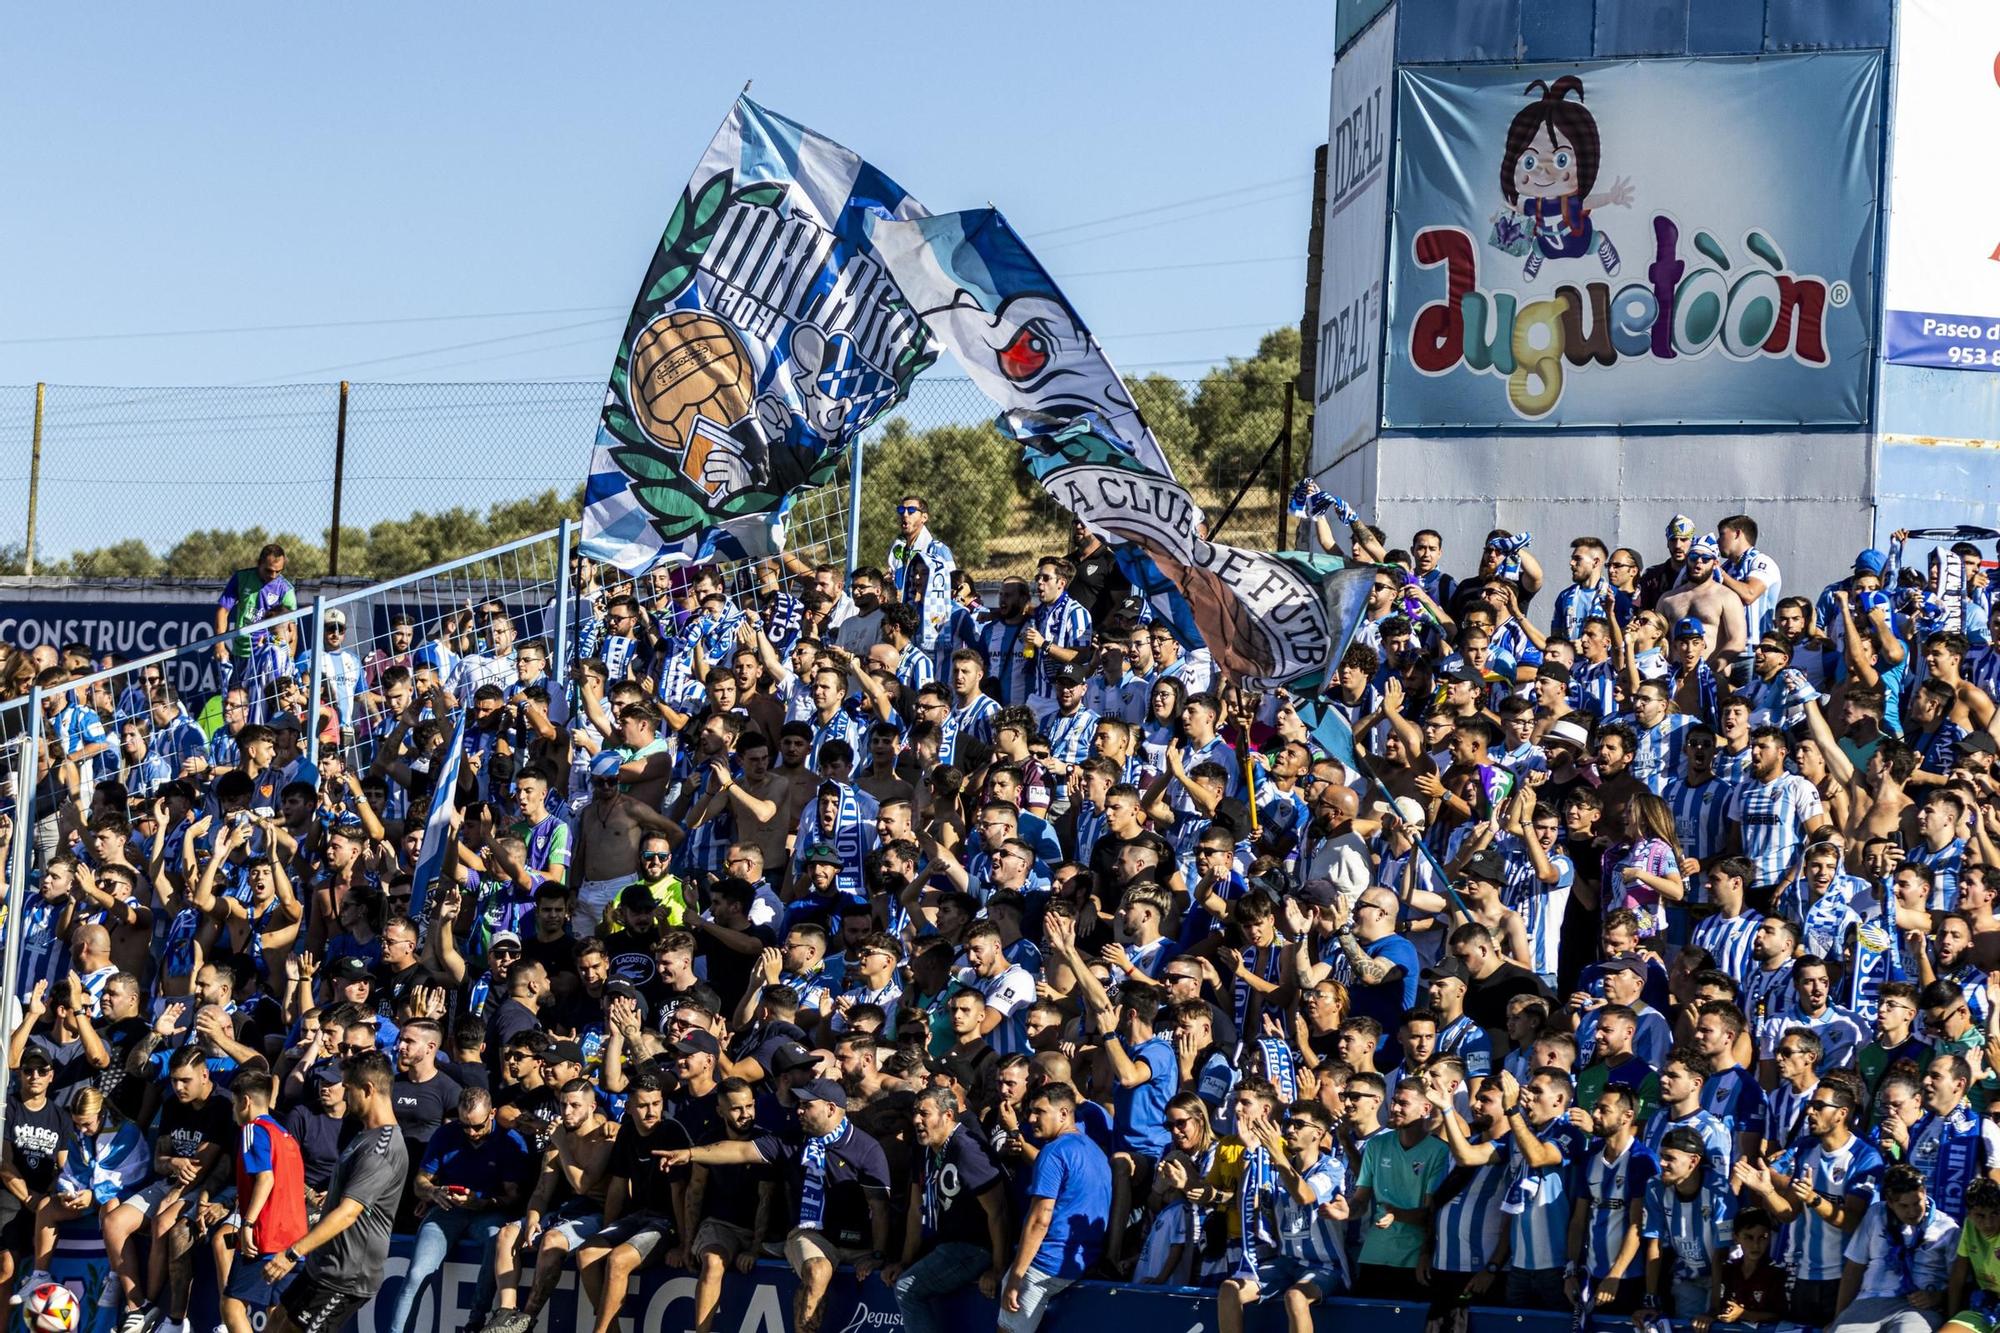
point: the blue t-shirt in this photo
(1077, 1175)
(452, 1158)
(1388, 1002)
(1139, 1121)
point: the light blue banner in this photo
(1641, 242)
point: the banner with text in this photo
(1941, 291)
(1354, 248)
(1640, 242)
(1269, 618)
(765, 337)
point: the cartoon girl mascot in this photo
(1546, 175)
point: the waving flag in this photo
(1268, 618)
(983, 295)
(437, 825)
(765, 336)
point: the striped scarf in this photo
(1089, 828)
(812, 1194)
(1278, 1068)
(1259, 1178)
(847, 839)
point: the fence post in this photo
(853, 505)
(34, 492)
(1285, 472)
(311, 719)
(339, 475)
(559, 650)
(27, 766)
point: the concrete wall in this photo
(1809, 493)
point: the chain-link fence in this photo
(188, 483)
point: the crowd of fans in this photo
(1623, 947)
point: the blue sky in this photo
(228, 166)
(222, 166)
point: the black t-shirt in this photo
(952, 1181)
(539, 1112)
(1099, 585)
(128, 1095)
(731, 1194)
(649, 1185)
(319, 1136)
(33, 1139)
(1486, 998)
(557, 955)
(391, 987)
(697, 1115)
(632, 954)
(728, 970)
(854, 1172)
(187, 1128)
(422, 1107)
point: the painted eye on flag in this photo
(1026, 354)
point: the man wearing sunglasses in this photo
(920, 568)
(1818, 1189)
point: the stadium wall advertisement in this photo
(1942, 284)
(1347, 407)
(1635, 243)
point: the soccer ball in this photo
(53, 1308)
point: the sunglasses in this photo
(346, 1049)
(656, 856)
(909, 509)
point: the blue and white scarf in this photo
(812, 1194)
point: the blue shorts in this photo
(1278, 1273)
(247, 1284)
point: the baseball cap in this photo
(287, 722)
(1705, 545)
(1623, 964)
(820, 854)
(337, 618)
(792, 1056)
(1445, 969)
(638, 896)
(501, 937)
(697, 1042)
(606, 764)
(822, 1090)
(1404, 808)
(564, 1053)
(326, 1072)
(1555, 671)
(350, 968)
(1680, 525)
(1687, 627)
(1065, 676)
(1318, 893)
(1871, 561)
(1487, 866)
(1978, 742)
(955, 1066)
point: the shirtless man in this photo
(1701, 597)
(758, 799)
(1944, 655)
(609, 831)
(1879, 797)
(577, 1155)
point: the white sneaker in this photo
(29, 1283)
(108, 1296)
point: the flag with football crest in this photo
(765, 337)
(1268, 619)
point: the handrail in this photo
(304, 612)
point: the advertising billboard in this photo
(1639, 242)
(1348, 368)
(1941, 291)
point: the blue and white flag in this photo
(765, 337)
(438, 837)
(990, 301)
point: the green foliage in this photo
(1240, 407)
(963, 472)
(383, 551)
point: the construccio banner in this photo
(1942, 291)
(1645, 242)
